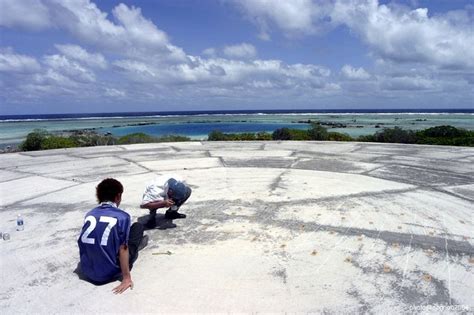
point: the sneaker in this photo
(143, 242)
(171, 215)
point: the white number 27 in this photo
(105, 237)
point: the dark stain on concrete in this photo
(282, 274)
(364, 305)
(420, 176)
(51, 267)
(267, 162)
(328, 165)
(266, 212)
(412, 295)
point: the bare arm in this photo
(127, 277)
(157, 204)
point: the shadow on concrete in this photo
(161, 222)
(82, 277)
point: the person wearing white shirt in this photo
(168, 190)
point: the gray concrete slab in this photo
(271, 227)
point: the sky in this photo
(83, 56)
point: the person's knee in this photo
(137, 229)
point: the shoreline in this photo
(318, 131)
(199, 126)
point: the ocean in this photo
(198, 124)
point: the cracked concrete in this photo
(307, 227)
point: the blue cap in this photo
(178, 191)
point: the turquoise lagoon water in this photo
(13, 131)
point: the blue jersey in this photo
(105, 229)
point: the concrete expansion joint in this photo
(28, 154)
(19, 202)
(276, 183)
(80, 157)
(357, 148)
(356, 195)
(431, 169)
(13, 179)
(222, 161)
(16, 170)
(297, 160)
(367, 173)
(440, 189)
(136, 163)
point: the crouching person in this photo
(109, 243)
(166, 191)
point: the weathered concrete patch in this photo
(331, 165)
(180, 164)
(465, 191)
(420, 176)
(30, 187)
(6, 176)
(269, 162)
(249, 154)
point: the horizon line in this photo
(348, 110)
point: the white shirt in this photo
(158, 189)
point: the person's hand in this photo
(126, 283)
(168, 202)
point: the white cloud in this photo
(80, 54)
(137, 69)
(226, 74)
(243, 50)
(71, 69)
(407, 83)
(132, 34)
(393, 32)
(55, 80)
(351, 73)
(16, 63)
(29, 14)
(409, 36)
(210, 52)
(114, 93)
(292, 17)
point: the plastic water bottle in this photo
(19, 223)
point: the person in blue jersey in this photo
(167, 190)
(109, 243)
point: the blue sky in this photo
(65, 56)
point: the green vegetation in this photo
(446, 135)
(441, 135)
(316, 132)
(144, 138)
(217, 135)
(34, 140)
(42, 140)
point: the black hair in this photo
(108, 189)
